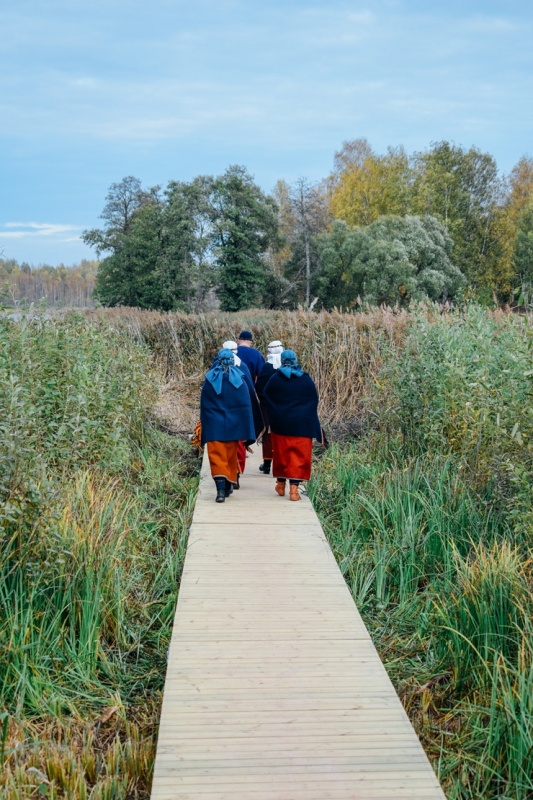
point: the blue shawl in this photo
(224, 365)
(289, 365)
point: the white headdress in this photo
(275, 349)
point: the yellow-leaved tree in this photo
(506, 226)
(365, 186)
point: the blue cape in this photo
(224, 365)
(232, 414)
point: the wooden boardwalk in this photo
(274, 690)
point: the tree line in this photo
(61, 286)
(381, 228)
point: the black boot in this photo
(229, 488)
(221, 490)
(265, 466)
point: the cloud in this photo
(21, 230)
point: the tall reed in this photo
(95, 505)
(430, 515)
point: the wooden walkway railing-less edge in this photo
(274, 690)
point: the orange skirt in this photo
(223, 460)
(291, 457)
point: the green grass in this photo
(429, 513)
(430, 516)
(95, 506)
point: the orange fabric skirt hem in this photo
(291, 457)
(223, 460)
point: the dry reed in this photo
(342, 352)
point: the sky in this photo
(92, 91)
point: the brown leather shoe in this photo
(294, 494)
(280, 488)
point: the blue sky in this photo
(94, 90)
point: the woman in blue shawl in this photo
(292, 402)
(227, 417)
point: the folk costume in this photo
(241, 448)
(273, 361)
(292, 403)
(226, 417)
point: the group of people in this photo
(246, 399)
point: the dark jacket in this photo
(292, 405)
(226, 417)
(252, 358)
(233, 412)
(264, 377)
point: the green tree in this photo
(185, 269)
(160, 246)
(281, 291)
(122, 201)
(461, 188)
(394, 260)
(244, 226)
(132, 237)
(506, 226)
(340, 283)
(523, 257)
(129, 276)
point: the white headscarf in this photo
(230, 345)
(275, 349)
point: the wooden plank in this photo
(274, 690)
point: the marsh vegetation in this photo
(425, 494)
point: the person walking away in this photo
(248, 353)
(292, 403)
(273, 361)
(257, 412)
(226, 418)
(231, 345)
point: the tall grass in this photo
(426, 496)
(430, 517)
(95, 505)
(342, 352)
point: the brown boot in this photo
(294, 494)
(280, 488)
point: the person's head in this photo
(246, 338)
(223, 370)
(226, 358)
(274, 351)
(289, 365)
(231, 345)
(289, 358)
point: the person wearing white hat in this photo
(239, 363)
(273, 362)
(231, 345)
